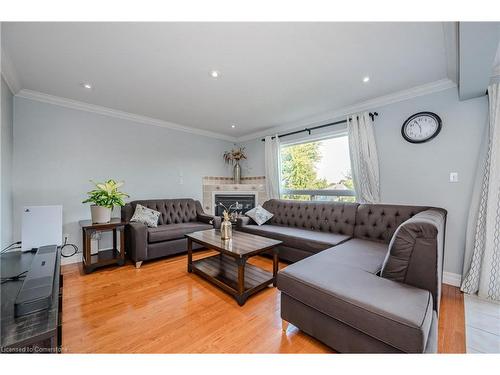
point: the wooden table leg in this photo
(122, 246)
(275, 265)
(190, 255)
(84, 252)
(115, 242)
(87, 264)
(241, 298)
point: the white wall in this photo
(418, 174)
(6, 146)
(57, 150)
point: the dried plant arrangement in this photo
(235, 155)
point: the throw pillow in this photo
(259, 214)
(146, 216)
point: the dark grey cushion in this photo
(174, 231)
(307, 240)
(397, 314)
(366, 255)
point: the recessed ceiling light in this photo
(233, 126)
(215, 74)
(366, 79)
(87, 86)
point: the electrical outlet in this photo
(453, 176)
(66, 237)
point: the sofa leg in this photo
(138, 264)
(284, 325)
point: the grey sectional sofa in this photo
(178, 218)
(367, 277)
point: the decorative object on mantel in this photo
(104, 197)
(226, 230)
(233, 157)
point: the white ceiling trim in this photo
(371, 104)
(9, 74)
(82, 106)
(428, 88)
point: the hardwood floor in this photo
(160, 308)
(451, 333)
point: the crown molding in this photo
(82, 106)
(9, 74)
(399, 96)
(381, 101)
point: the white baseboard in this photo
(73, 259)
(78, 257)
(450, 278)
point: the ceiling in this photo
(271, 74)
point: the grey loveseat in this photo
(367, 277)
(178, 217)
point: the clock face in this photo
(421, 127)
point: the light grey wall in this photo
(419, 174)
(57, 150)
(6, 165)
(254, 164)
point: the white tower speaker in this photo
(42, 226)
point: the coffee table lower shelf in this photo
(223, 271)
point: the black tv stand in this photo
(38, 332)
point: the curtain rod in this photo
(372, 115)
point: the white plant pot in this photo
(100, 215)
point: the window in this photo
(317, 170)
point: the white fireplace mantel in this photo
(225, 185)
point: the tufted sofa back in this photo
(173, 211)
(330, 217)
(378, 222)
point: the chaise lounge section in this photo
(367, 277)
(178, 218)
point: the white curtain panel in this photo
(364, 158)
(272, 160)
(482, 253)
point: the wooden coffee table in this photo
(229, 269)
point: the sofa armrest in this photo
(209, 219)
(206, 218)
(415, 255)
(127, 212)
(136, 236)
(243, 220)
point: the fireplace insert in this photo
(242, 203)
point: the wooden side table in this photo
(116, 255)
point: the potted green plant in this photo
(104, 197)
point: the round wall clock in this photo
(421, 127)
